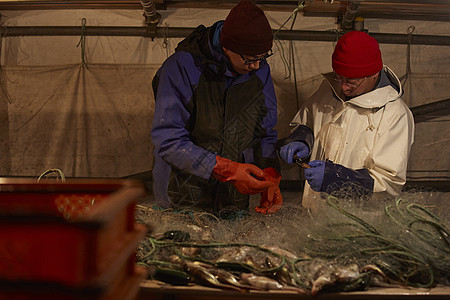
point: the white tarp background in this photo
(96, 121)
(82, 121)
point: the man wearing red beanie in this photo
(355, 130)
(215, 113)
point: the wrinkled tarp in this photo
(87, 122)
(96, 121)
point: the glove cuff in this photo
(223, 169)
(272, 172)
(302, 134)
(336, 176)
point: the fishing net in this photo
(352, 244)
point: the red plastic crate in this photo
(41, 240)
(126, 289)
(120, 281)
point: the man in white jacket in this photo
(355, 130)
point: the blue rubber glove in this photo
(288, 151)
(315, 174)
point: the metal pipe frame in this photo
(180, 32)
(350, 14)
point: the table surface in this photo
(159, 290)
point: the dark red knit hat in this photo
(357, 55)
(246, 30)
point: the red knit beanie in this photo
(357, 55)
(246, 30)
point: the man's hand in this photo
(247, 178)
(288, 151)
(315, 174)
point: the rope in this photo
(300, 5)
(293, 15)
(82, 42)
(333, 202)
(49, 171)
(337, 33)
(283, 57)
(165, 43)
(404, 78)
(293, 65)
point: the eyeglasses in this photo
(343, 80)
(248, 61)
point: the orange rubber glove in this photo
(240, 175)
(271, 199)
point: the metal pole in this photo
(180, 32)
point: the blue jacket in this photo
(203, 109)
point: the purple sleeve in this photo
(177, 77)
(336, 177)
(270, 120)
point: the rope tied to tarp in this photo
(293, 16)
(300, 5)
(82, 42)
(410, 31)
(165, 43)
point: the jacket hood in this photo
(204, 45)
(198, 43)
(389, 89)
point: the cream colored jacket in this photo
(374, 131)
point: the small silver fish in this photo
(261, 282)
(175, 259)
(378, 278)
(321, 282)
(374, 269)
(237, 254)
(283, 275)
(330, 275)
(206, 277)
(347, 273)
(228, 278)
(266, 283)
(280, 251)
(190, 251)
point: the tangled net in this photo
(398, 242)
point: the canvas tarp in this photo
(86, 108)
